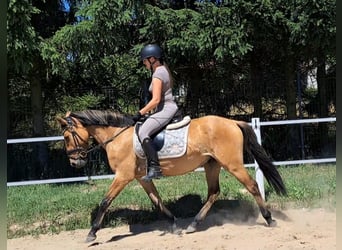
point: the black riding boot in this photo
(153, 166)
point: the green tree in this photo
(203, 45)
(96, 51)
(28, 24)
(242, 54)
(23, 71)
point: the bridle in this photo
(82, 152)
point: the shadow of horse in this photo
(239, 212)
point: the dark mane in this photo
(102, 118)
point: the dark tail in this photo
(269, 170)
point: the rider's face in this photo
(148, 62)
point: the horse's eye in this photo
(67, 139)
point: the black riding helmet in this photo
(151, 50)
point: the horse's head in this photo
(76, 140)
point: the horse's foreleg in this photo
(105, 203)
(212, 171)
(153, 194)
(115, 188)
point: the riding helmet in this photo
(151, 50)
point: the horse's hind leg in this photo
(240, 172)
(212, 171)
(153, 194)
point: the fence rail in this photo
(256, 124)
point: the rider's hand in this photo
(137, 117)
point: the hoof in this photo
(191, 229)
(90, 238)
(176, 230)
(272, 223)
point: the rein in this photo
(108, 140)
(82, 152)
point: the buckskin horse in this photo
(213, 143)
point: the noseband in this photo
(82, 152)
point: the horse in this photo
(214, 142)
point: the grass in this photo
(39, 209)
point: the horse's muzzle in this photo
(78, 163)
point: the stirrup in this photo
(152, 174)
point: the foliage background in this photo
(238, 59)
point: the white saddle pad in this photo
(175, 143)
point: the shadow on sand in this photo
(223, 211)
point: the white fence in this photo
(256, 124)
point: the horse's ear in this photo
(62, 121)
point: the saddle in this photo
(170, 142)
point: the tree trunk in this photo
(290, 90)
(322, 99)
(256, 81)
(321, 86)
(40, 150)
(194, 92)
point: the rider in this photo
(162, 105)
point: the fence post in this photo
(258, 173)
